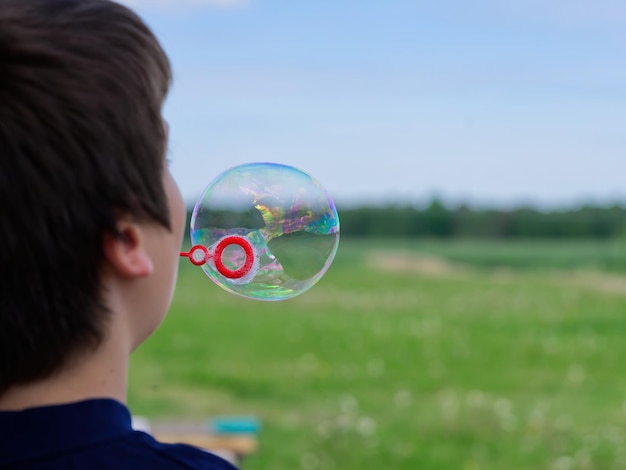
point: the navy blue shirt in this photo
(94, 435)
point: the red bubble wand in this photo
(199, 255)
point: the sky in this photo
(484, 102)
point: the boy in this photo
(90, 230)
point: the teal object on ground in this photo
(235, 425)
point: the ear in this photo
(126, 253)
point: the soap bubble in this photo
(264, 231)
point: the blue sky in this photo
(486, 101)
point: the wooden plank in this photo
(241, 444)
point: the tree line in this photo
(438, 220)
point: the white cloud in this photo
(573, 12)
(182, 4)
(562, 13)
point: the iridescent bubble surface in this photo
(284, 215)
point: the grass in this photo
(606, 255)
(469, 368)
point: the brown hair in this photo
(82, 83)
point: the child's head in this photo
(82, 146)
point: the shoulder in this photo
(181, 455)
(135, 452)
(91, 434)
(138, 450)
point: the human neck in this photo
(100, 374)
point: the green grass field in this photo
(410, 355)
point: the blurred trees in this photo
(438, 221)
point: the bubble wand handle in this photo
(198, 255)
